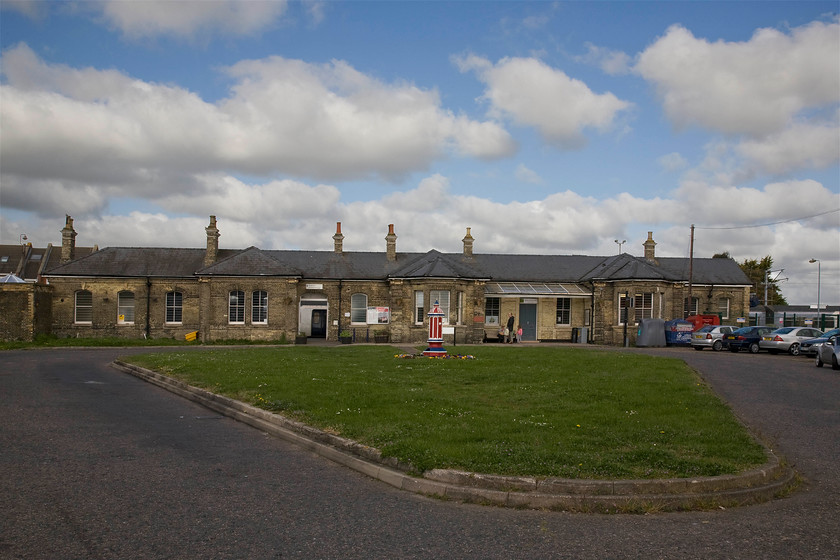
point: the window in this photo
(236, 307)
(642, 303)
(460, 308)
(125, 308)
(174, 307)
(418, 308)
(84, 307)
(442, 299)
(358, 308)
(491, 311)
(691, 309)
(723, 307)
(259, 307)
(564, 311)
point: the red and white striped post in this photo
(435, 333)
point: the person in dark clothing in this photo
(511, 321)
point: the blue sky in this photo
(545, 127)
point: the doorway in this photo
(319, 323)
(528, 321)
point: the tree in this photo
(757, 271)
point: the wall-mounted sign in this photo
(314, 286)
(378, 315)
(740, 320)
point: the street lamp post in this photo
(819, 278)
(620, 243)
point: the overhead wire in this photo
(773, 223)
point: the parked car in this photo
(709, 336)
(809, 347)
(829, 352)
(787, 339)
(745, 338)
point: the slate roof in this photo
(326, 265)
(29, 262)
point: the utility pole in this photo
(687, 311)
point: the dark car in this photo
(746, 338)
(809, 347)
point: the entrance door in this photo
(528, 320)
(319, 323)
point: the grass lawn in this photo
(564, 412)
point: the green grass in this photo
(49, 341)
(574, 413)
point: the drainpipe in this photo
(148, 306)
(338, 334)
(591, 334)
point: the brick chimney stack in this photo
(468, 244)
(68, 241)
(391, 243)
(212, 242)
(650, 248)
(338, 238)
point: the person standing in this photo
(510, 323)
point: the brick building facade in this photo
(272, 295)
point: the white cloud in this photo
(191, 18)
(534, 94)
(672, 162)
(91, 127)
(755, 87)
(526, 175)
(802, 145)
(612, 62)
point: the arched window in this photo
(84, 307)
(358, 308)
(125, 308)
(236, 309)
(259, 307)
(174, 307)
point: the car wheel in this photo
(834, 364)
(794, 349)
(717, 345)
(697, 347)
(754, 348)
(818, 361)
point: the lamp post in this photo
(819, 278)
(620, 243)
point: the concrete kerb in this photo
(755, 486)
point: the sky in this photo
(544, 127)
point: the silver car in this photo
(809, 347)
(829, 353)
(787, 339)
(709, 336)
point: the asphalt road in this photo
(95, 463)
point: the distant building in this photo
(258, 294)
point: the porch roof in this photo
(536, 289)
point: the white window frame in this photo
(358, 309)
(637, 304)
(83, 310)
(125, 307)
(492, 311)
(693, 306)
(259, 307)
(442, 297)
(236, 307)
(723, 307)
(175, 305)
(419, 308)
(563, 313)
(459, 298)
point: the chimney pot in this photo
(213, 234)
(391, 243)
(650, 248)
(338, 238)
(468, 244)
